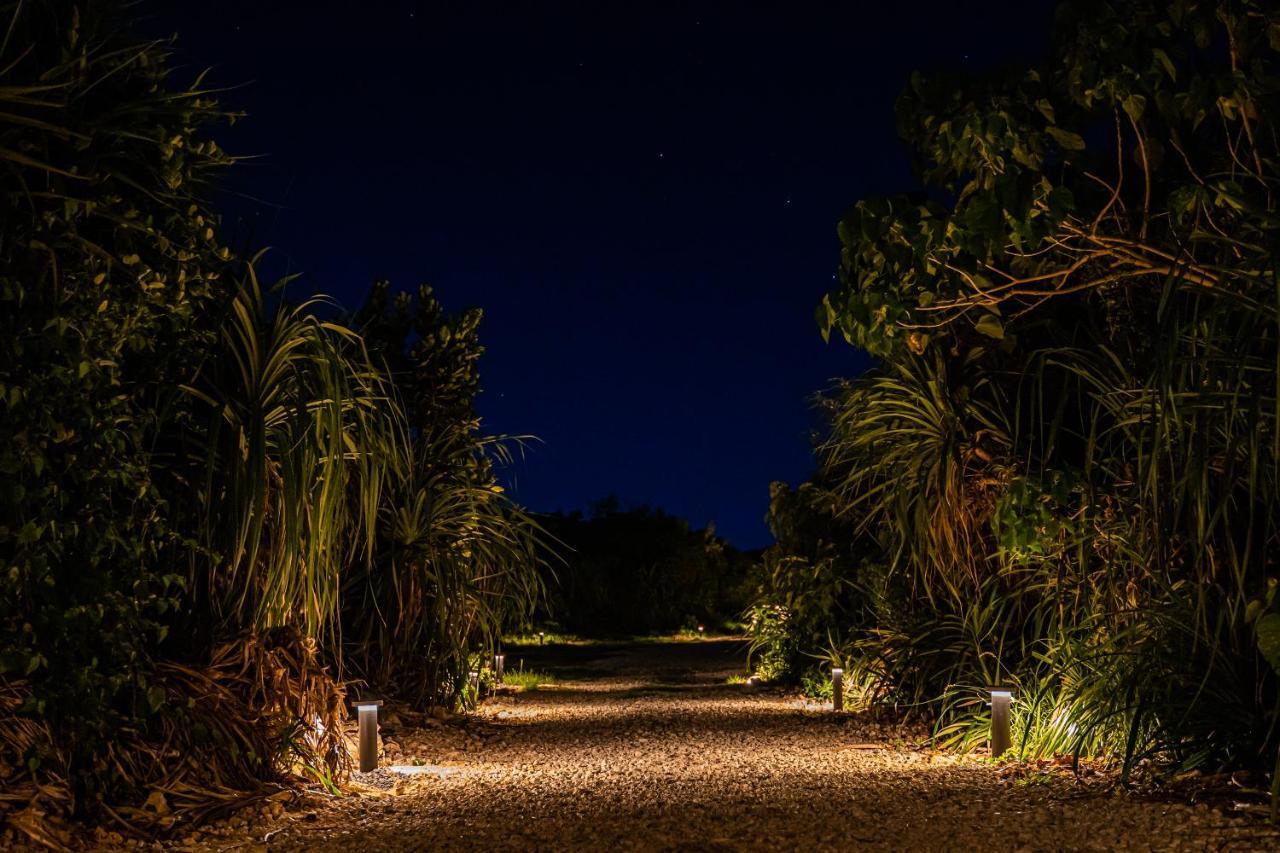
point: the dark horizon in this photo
(643, 203)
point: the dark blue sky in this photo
(641, 197)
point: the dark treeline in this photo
(641, 571)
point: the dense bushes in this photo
(641, 571)
(454, 561)
(1064, 472)
(206, 490)
(110, 275)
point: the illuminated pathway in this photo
(646, 747)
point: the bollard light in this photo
(701, 630)
(367, 710)
(837, 689)
(497, 668)
(542, 636)
(1001, 699)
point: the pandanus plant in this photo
(456, 561)
(292, 462)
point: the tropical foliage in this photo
(1065, 471)
(216, 506)
(455, 561)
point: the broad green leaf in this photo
(1066, 139)
(990, 325)
(1251, 612)
(1135, 106)
(1268, 630)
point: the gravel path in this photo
(645, 747)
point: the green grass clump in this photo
(549, 638)
(527, 679)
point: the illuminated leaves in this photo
(1032, 175)
(990, 325)
(1066, 139)
(1268, 631)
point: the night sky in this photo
(641, 197)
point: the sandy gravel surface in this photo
(645, 747)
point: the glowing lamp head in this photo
(836, 672)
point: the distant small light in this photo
(542, 636)
(837, 689)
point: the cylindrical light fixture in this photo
(542, 636)
(837, 689)
(1001, 741)
(497, 668)
(367, 709)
